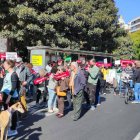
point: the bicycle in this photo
(129, 96)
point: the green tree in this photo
(77, 24)
(136, 44)
(124, 50)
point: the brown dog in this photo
(5, 118)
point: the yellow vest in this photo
(105, 72)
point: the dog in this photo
(5, 118)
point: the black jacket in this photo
(137, 75)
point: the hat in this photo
(19, 59)
(48, 68)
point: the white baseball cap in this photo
(48, 68)
(19, 59)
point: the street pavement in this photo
(112, 120)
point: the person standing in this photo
(105, 72)
(10, 92)
(92, 82)
(25, 77)
(137, 83)
(52, 98)
(77, 85)
(62, 87)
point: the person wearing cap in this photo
(25, 77)
(137, 83)
(77, 85)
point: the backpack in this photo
(14, 76)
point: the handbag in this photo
(60, 93)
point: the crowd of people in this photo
(79, 82)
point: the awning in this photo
(65, 50)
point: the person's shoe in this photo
(55, 109)
(135, 102)
(50, 111)
(74, 118)
(68, 107)
(43, 105)
(92, 108)
(98, 104)
(37, 105)
(87, 106)
(12, 133)
(57, 114)
(60, 115)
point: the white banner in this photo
(105, 61)
(117, 62)
(11, 55)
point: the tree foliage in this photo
(124, 50)
(77, 24)
(136, 44)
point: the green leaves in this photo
(77, 24)
(136, 44)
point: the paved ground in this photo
(113, 120)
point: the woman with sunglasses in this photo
(52, 98)
(63, 84)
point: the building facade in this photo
(135, 25)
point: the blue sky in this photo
(129, 9)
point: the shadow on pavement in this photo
(26, 132)
(102, 99)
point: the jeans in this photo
(137, 91)
(120, 86)
(131, 83)
(52, 99)
(30, 90)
